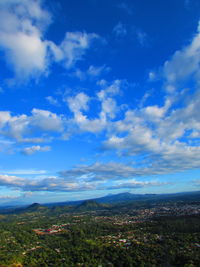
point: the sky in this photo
(98, 97)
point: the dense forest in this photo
(99, 236)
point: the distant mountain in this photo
(129, 197)
(117, 200)
(109, 199)
(89, 205)
(123, 197)
(35, 207)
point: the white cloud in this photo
(8, 197)
(153, 113)
(42, 125)
(33, 149)
(21, 28)
(109, 109)
(63, 184)
(78, 103)
(100, 171)
(75, 45)
(53, 101)
(72, 48)
(46, 120)
(22, 38)
(52, 184)
(22, 127)
(133, 184)
(184, 65)
(93, 72)
(109, 90)
(13, 181)
(26, 53)
(97, 71)
(25, 172)
(165, 136)
(152, 76)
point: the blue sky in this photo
(98, 97)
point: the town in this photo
(147, 234)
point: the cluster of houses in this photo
(52, 230)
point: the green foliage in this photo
(100, 238)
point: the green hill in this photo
(89, 205)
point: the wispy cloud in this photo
(72, 48)
(141, 37)
(120, 30)
(93, 72)
(33, 149)
(53, 101)
(125, 7)
(60, 184)
(24, 172)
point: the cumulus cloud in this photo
(22, 127)
(74, 46)
(61, 184)
(33, 149)
(165, 137)
(79, 105)
(43, 125)
(22, 28)
(160, 138)
(183, 65)
(53, 184)
(46, 120)
(13, 181)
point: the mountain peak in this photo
(34, 205)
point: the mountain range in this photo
(114, 201)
